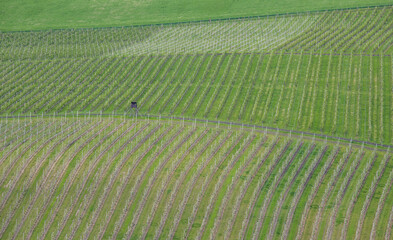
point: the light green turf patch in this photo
(43, 14)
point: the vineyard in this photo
(156, 179)
(331, 93)
(254, 74)
(361, 31)
(270, 127)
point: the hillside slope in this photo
(332, 74)
(113, 179)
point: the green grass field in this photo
(43, 14)
(269, 127)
